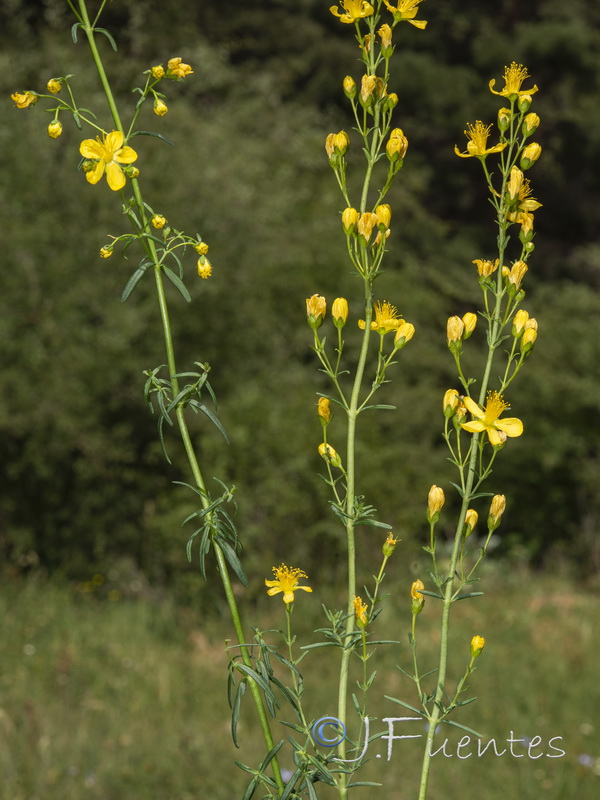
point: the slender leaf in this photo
(113, 44)
(151, 133)
(132, 283)
(177, 283)
(231, 556)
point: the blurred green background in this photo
(85, 489)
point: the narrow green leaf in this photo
(156, 135)
(251, 788)
(234, 562)
(462, 727)
(177, 283)
(405, 705)
(74, 31)
(132, 283)
(470, 594)
(113, 44)
(235, 711)
(211, 416)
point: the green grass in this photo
(106, 697)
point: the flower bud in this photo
(531, 324)
(54, 85)
(497, 507)
(417, 600)
(157, 72)
(450, 403)
(435, 501)
(383, 213)
(316, 306)
(368, 87)
(524, 102)
(389, 545)
(160, 108)
(350, 217)
(201, 248)
(477, 645)
(349, 87)
(204, 268)
(25, 99)
(365, 225)
(485, 268)
(385, 34)
(454, 331)
(471, 518)
(176, 70)
(403, 335)
(504, 117)
(528, 340)
(158, 221)
(515, 276)
(337, 145)
(339, 311)
(526, 231)
(396, 147)
(324, 410)
(469, 321)
(360, 612)
(519, 321)
(327, 452)
(515, 182)
(55, 129)
(530, 124)
(391, 101)
(106, 251)
(530, 155)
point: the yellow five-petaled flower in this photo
(109, 153)
(513, 78)
(352, 10)
(488, 419)
(286, 581)
(386, 318)
(406, 11)
(477, 145)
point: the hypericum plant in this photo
(324, 752)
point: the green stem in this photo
(183, 429)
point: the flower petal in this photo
(115, 177)
(113, 141)
(473, 427)
(126, 155)
(90, 148)
(511, 426)
(274, 590)
(472, 406)
(94, 175)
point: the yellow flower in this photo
(316, 306)
(471, 518)
(327, 452)
(108, 153)
(360, 612)
(349, 85)
(530, 123)
(160, 108)
(517, 273)
(469, 320)
(417, 600)
(24, 100)
(54, 86)
(455, 328)
(286, 581)
(396, 146)
(477, 145)
(485, 268)
(337, 144)
(497, 507)
(406, 10)
(504, 117)
(389, 545)
(450, 402)
(158, 221)
(339, 311)
(403, 335)
(385, 34)
(201, 248)
(204, 267)
(519, 322)
(513, 78)
(350, 217)
(55, 129)
(435, 502)
(176, 70)
(515, 182)
(353, 10)
(366, 223)
(383, 213)
(106, 251)
(530, 155)
(488, 419)
(324, 409)
(528, 340)
(158, 72)
(386, 318)
(477, 645)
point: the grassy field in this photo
(104, 696)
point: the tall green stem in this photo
(180, 414)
